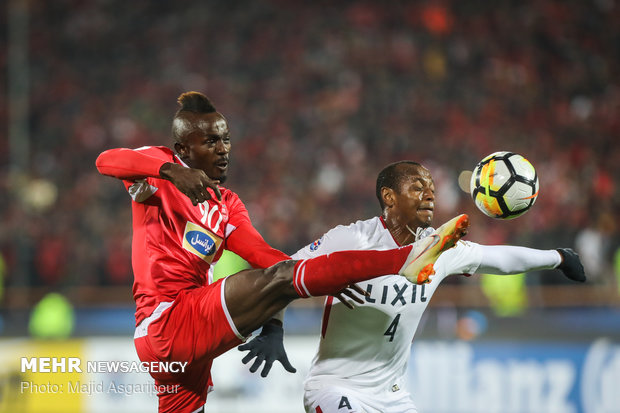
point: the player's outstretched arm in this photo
(507, 259)
(131, 165)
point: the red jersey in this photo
(176, 244)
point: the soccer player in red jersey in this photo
(183, 220)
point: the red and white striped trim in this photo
(298, 279)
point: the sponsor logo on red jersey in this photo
(200, 241)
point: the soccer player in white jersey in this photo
(363, 353)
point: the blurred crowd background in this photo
(320, 96)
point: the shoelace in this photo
(421, 233)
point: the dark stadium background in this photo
(319, 96)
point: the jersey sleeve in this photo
(244, 240)
(340, 238)
(468, 257)
(132, 164)
(509, 259)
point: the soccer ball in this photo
(504, 185)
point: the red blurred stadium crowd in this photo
(319, 96)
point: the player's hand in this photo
(191, 182)
(571, 265)
(268, 346)
(353, 291)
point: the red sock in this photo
(328, 274)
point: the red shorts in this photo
(195, 328)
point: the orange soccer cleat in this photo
(419, 265)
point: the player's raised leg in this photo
(254, 296)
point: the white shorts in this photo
(337, 399)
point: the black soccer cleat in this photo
(571, 265)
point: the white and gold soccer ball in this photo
(504, 185)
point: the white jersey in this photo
(368, 348)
